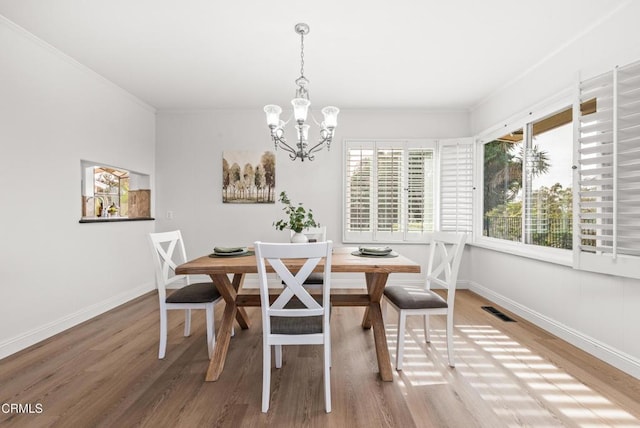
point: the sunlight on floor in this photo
(505, 372)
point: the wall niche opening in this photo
(111, 193)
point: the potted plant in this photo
(299, 218)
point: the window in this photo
(527, 193)
(389, 190)
(609, 173)
(394, 193)
(111, 192)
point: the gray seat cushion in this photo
(297, 325)
(414, 298)
(314, 278)
(201, 292)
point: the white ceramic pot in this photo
(299, 238)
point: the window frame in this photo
(521, 120)
(375, 236)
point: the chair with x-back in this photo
(295, 317)
(442, 270)
(168, 251)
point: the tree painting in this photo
(248, 177)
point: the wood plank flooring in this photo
(105, 373)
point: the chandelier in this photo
(301, 105)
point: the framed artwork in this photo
(248, 177)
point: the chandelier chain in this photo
(302, 55)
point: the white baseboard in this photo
(615, 357)
(24, 340)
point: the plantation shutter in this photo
(609, 173)
(420, 193)
(359, 191)
(456, 185)
(389, 184)
(628, 165)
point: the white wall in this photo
(189, 172)
(54, 271)
(599, 313)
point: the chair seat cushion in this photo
(297, 325)
(201, 292)
(414, 298)
(314, 278)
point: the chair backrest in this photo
(444, 261)
(168, 251)
(274, 253)
(318, 233)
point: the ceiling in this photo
(199, 54)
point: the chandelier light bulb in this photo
(300, 109)
(330, 114)
(304, 133)
(273, 114)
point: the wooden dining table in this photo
(376, 271)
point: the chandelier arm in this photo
(318, 147)
(285, 123)
(314, 119)
(282, 143)
(327, 135)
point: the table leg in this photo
(380, 337)
(241, 315)
(373, 318)
(228, 291)
(222, 344)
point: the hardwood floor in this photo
(105, 373)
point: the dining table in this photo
(228, 275)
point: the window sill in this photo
(113, 219)
(549, 255)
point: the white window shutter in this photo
(389, 181)
(628, 165)
(608, 148)
(456, 185)
(420, 193)
(359, 191)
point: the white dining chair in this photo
(168, 251)
(442, 270)
(295, 317)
